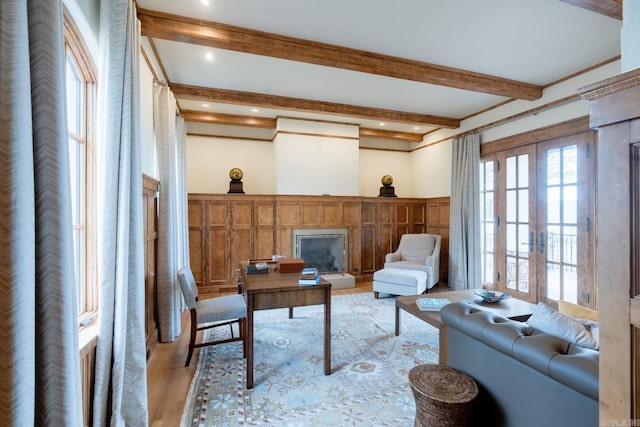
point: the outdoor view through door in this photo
(536, 209)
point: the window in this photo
(81, 95)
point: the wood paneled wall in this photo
(150, 224)
(87, 379)
(227, 228)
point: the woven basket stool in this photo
(444, 396)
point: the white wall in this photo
(630, 35)
(316, 158)
(374, 164)
(86, 15)
(431, 170)
(209, 161)
(147, 138)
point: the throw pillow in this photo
(577, 311)
(583, 333)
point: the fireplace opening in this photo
(325, 249)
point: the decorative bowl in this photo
(491, 296)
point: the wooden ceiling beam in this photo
(269, 123)
(205, 33)
(610, 8)
(228, 119)
(307, 105)
(391, 135)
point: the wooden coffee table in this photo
(281, 290)
(510, 308)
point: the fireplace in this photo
(323, 248)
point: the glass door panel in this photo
(517, 222)
(487, 221)
(563, 218)
(516, 210)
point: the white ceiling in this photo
(536, 42)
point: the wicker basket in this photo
(444, 396)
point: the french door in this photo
(543, 238)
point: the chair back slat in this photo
(188, 286)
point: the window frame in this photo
(77, 50)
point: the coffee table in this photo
(511, 308)
(281, 290)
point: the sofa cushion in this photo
(417, 247)
(581, 333)
(577, 311)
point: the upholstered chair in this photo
(418, 252)
(211, 313)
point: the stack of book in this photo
(309, 276)
(258, 268)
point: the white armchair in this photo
(418, 252)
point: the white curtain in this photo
(182, 195)
(172, 227)
(464, 231)
(121, 375)
(39, 356)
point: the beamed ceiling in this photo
(398, 70)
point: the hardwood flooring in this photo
(168, 381)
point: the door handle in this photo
(531, 244)
(542, 245)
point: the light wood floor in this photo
(168, 380)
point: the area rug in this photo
(370, 365)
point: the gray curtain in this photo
(464, 231)
(121, 375)
(39, 356)
(171, 210)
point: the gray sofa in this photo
(525, 377)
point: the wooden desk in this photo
(510, 308)
(281, 290)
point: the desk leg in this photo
(397, 320)
(327, 332)
(443, 346)
(249, 339)
(290, 312)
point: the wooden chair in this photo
(211, 313)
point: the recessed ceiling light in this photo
(255, 110)
(205, 105)
(382, 124)
(205, 2)
(209, 56)
(416, 128)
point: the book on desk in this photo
(309, 276)
(258, 268)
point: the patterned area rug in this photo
(370, 365)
